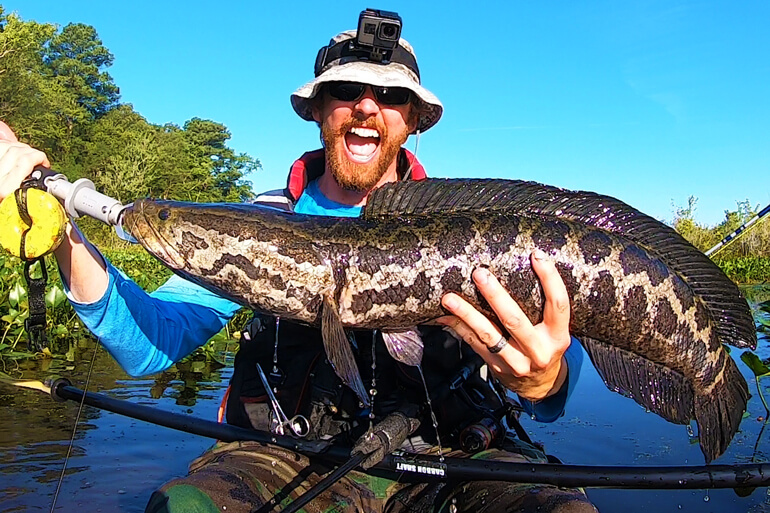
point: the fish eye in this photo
(164, 214)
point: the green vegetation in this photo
(64, 330)
(747, 259)
(56, 94)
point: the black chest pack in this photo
(466, 405)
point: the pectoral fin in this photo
(405, 346)
(338, 350)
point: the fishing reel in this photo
(481, 435)
(488, 429)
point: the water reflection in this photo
(759, 298)
(115, 462)
(188, 380)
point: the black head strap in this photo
(347, 51)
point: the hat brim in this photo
(390, 75)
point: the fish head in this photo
(155, 224)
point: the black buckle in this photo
(35, 324)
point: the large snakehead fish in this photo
(651, 310)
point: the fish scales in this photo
(649, 333)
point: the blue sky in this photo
(648, 101)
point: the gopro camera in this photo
(376, 41)
(378, 33)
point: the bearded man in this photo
(365, 108)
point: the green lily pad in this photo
(17, 294)
(54, 297)
(755, 364)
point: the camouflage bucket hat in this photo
(392, 74)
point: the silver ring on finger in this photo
(499, 346)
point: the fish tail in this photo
(717, 406)
(719, 411)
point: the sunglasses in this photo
(352, 91)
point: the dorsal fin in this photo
(531, 199)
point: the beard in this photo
(354, 176)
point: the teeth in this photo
(364, 132)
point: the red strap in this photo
(298, 173)
(223, 406)
(418, 172)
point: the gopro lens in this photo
(388, 31)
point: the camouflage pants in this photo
(242, 477)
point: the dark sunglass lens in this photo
(393, 95)
(346, 91)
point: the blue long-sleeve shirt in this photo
(147, 333)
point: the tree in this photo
(57, 96)
(754, 242)
(76, 57)
(121, 154)
(29, 101)
(225, 170)
(684, 222)
(128, 158)
(52, 84)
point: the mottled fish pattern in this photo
(651, 310)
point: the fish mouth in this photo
(138, 221)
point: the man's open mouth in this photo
(362, 143)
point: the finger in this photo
(6, 134)
(481, 334)
(462, 331)
(454, 325)
(16, 163)
(449, 323)
(556, 311)
(17, 155)
(509, 312)
(509, 361)
(486, 332)
(444, 320)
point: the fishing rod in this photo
(745, 227)
(419, 468)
